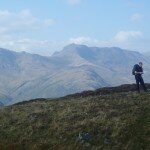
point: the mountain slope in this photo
(113, 120)
(76, 68)
(60, 84)
(1, 104)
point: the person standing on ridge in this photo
(138, 71)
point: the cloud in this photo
(136, 17)
(15, 25)
(82, 40)
(23, 21)
(42, 47)
(133, 40)
(123, 39)
(126, 36)
(120, 37)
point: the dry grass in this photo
(123, 117)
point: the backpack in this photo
(134, 69)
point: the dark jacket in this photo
(137, 68)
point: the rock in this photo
(84, 137)
(87, 144)
(107, 141)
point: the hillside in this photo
(1, 104)
(111, 118)
(74, 69)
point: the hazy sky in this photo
(45, 26)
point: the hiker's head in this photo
(140, 64)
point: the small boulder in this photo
(84, 137)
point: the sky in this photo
(46, 26)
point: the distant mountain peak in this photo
(74, 46)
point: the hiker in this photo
(138, 71)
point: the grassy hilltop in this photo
(115, 118)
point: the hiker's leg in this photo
(137, 83)
(143, 84)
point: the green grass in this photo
(55, 124)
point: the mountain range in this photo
(76, 68)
